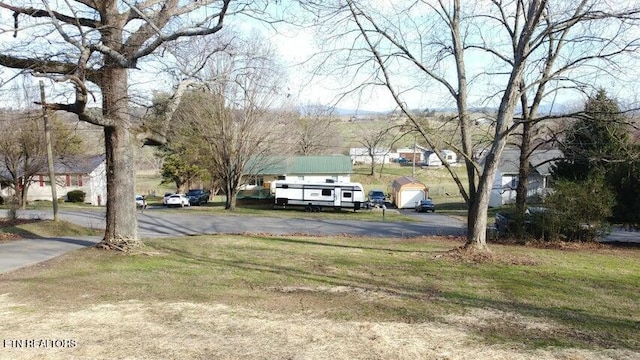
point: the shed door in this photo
(409, 197)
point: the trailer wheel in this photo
(317, 209)
(308, 208)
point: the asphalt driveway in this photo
(155, 223)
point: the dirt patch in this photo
(463, 255)
(365, 293)
(9, 237)
(181, 330)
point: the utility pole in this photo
(47, 137)
(413, 163)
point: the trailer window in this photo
(347, 195)
(326, 192)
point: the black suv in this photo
(198, 196)
(375, 198)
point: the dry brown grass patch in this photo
(473, 256)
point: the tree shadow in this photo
(564, 327)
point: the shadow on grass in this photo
(560, 326)
(317, 243)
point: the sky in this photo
(295, 46)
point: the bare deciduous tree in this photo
(23, 150)
(376, 142)
(233, 119)
(468, 51)
(315, 131)
(91, 46)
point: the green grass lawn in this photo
(44, 228)
(525, 298)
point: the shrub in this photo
(580, 209)
(75, 196)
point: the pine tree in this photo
(596, 143)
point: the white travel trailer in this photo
(316, 195)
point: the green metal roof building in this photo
(307, 168)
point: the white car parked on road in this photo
(177, 200)
(141, 202)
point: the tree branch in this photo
(138, 40)
(32, 12)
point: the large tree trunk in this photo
(231, 201)
(23, 196)
(122, 225)
(478, 209)
(523, 176)
(231, 195)
(477, 230)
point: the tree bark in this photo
(523, 175)
(122, 225)
(23, 196)
(478, 209)
(231, 195)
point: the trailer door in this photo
(337, 197)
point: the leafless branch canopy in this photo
(79, 39)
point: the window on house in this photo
(259, 181)
(514, 182)
(67, 180)
(44, 180)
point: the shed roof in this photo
(406, 180)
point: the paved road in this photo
(186, 222)
(18, 254)
(182, 222)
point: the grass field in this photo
(265, 297)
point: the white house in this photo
(506, 180)
(362, 156)
(449, 156)
(87, 174)
(415, 154)
(431, 158)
